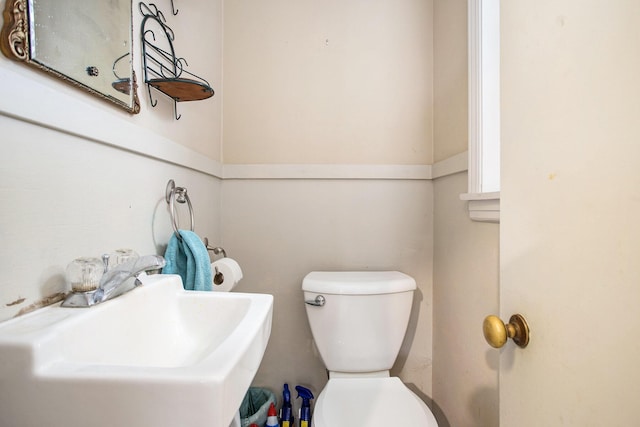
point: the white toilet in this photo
(358, 321)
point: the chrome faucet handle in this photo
(118, 276)
(115, 280)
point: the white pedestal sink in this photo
(155, 356)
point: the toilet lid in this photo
(370, 402)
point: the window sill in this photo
(483, 207)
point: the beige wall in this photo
(465, 275)
(329, 82)
(280, 230)
(67, 196)
(465, 290)
(450, 78)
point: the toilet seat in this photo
(370, 402)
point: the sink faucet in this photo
(116, 281)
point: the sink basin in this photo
(155, 356)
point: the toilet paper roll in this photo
(226, 274)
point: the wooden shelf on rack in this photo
(182, 89)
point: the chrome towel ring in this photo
(178, 194)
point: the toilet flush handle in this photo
(318, 302)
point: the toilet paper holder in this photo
(218, 277)
(216, 250)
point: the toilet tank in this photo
(362, 323)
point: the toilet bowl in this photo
(358, 321)
(370, 402)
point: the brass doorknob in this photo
(496, 332)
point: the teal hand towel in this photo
(189, 258)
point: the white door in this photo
(570, 212)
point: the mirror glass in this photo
(87, 43)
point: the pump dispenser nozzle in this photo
(305, 409)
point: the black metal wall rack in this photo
(163, 69)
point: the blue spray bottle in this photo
(286, 413)
(305, 409)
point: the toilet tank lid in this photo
(358, 282)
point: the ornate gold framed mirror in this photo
(87, 43)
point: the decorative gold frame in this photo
(14, 44)
(14, 33)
